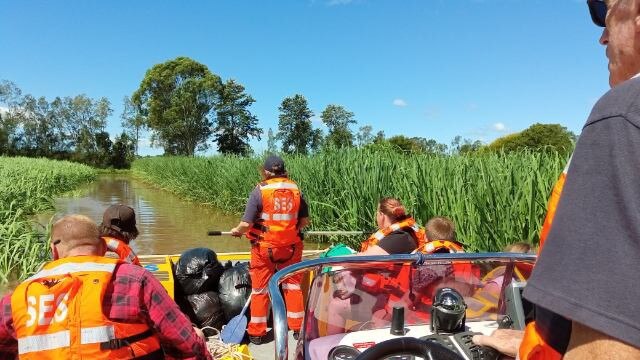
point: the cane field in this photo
(494, 199)
(28, 187)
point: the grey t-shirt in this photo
(589, 268)
(254, 207)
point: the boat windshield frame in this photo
(280, 328)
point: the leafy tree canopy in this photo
(294, 126)
(538, 137)
(234, 122)
(176, 98)
(338, 119)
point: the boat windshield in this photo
(360, 297)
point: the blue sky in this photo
(430, 68)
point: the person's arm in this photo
(373, 250)
(177, 336)
(8, 341)
(587, 343)
(251, 212)
(303, 214)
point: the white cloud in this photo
(500, 127)
(399, 102)
(4, 110)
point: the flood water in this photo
(167, 224)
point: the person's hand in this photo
(235, 232)
(506, 341)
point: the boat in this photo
(491, 296)
(162, 267)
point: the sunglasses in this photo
(598, 11)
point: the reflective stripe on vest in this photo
(435, 245)
(408, 224)
(73, 268)
(56, 314)
(278, 217)
(120, 248)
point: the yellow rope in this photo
(219, 349)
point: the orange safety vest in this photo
(278, 223)
(409, 225)
(57, 314)
(122, 249)
(435, 245)
(533, 346)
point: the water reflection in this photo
(167, 224)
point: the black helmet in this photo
(448, 311)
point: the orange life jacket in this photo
(409, 225)
(433, 246)
(120, 248)
(552, 205)
(278, 223)
(57, 314)
(533, 346)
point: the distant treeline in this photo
(184, 108)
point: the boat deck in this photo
(267, 351)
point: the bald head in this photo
(76, 235)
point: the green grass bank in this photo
(28, 187)
(494, 199)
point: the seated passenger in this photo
(486, 298)
(360, 294)
(441, 236)
(117, 230)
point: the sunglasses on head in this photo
(598, 11)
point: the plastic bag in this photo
(234, 289)
(207, 310)
(198, 271)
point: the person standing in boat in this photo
(274, 215)
(117, 230)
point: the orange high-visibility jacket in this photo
(533, 346)
(409, 225)
(124, 251)
(278, 224)
(435, 245)
(57, 314)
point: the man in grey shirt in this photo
(585, 284)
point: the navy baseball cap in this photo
(274, 164)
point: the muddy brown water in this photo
(167, 223)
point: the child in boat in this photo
(117, 230)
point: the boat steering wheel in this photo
(409, 346)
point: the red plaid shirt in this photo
(134, 295)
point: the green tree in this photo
(83, 117)
(537, 137)
(294, 126)
(406, 145)
(122, 153)
(364, 135)
(177, 98)
(338, 119)
(234, 122)
(133, 121)
(272, 146)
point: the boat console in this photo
(344, 321)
